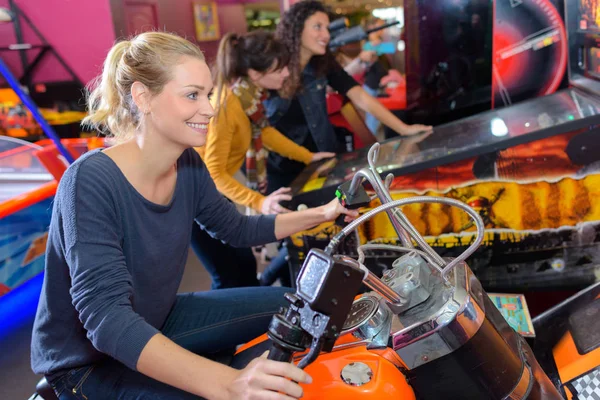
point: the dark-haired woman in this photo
(247, 66)
(299, 111)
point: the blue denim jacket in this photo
(313, 101)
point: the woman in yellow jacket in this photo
(247, 67)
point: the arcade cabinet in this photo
(531, 169)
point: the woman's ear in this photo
(254, 75)
(141, 97)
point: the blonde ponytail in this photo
(105, 110)
(147, 58)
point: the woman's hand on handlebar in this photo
(320, 156)
(333, 209)
(271, 204)
(267, 379)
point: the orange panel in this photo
(18, 203)
(570, 363)
(387, 380)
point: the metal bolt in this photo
(316, 320)
(294, 320)
(334, 301)
(425, 358)
(347, 274)
(334, 328)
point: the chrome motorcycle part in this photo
(373, 282)
(411, 280)
(420, 199)
(449, 318)
(356, 374)
(402, 225)
(376, 246)
(369, 320)
(493, 362)
(362, 311)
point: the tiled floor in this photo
(17, 381)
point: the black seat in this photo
(45, 391)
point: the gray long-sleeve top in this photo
(114, 260)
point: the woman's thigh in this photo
(208, 322)
(113, 380)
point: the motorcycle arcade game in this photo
(524, 216)
(426, 330)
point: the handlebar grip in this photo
(279, 353)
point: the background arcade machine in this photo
(529, 168)
(29, 175)
(490, 54)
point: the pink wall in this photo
(81, 31)
(176, 16)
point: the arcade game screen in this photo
(472, 136)
(589, 25)
(589, 11)
(530, 50)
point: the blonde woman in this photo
(110, 323)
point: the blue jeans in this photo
(278, 268)
(370, 120)
(204, 323)
(229, 267)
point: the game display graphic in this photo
(24, 233)
(589, 11)
(593, 62)
(530, 50)
(513, 308)
(537, 201)
(23, 238)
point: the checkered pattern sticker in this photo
(588, 386)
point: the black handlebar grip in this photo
(279, 353)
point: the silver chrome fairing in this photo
(448, 319)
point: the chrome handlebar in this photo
(403, 227)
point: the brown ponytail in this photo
(257, 50)
(225, 64)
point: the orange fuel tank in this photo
(386, 380)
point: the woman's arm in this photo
(165, 361)
(217, 151)
(369, 104)
(294, 222)
(280, 144)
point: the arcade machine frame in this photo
(496, 161)
(29, 175)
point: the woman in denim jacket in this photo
(299, 110)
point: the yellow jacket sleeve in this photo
(278, 143)
(216, 154)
